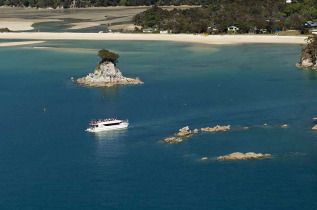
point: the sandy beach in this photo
(9, 44)
(212, 39)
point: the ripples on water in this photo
(48, 161)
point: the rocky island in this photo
(106, 73)
(241, 156)
(309, 54)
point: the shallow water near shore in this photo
(48, 161)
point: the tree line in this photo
(270, 15)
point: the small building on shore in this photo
(310, 24)
(148, 30)
(164, 31)
(314, 31)
(233, 29)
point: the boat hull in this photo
(123, 125)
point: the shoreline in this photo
(211, 39)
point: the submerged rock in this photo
(217, 128)
(106, 75)
(184, 132)
(173, 140)
(241, 156)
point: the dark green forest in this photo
(270, 15)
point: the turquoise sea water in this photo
(48, 161)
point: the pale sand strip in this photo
(17, 24)
(9, 44)
(213, 39)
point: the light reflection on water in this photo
(109, 135)
(109, 145)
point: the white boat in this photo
(107, 125)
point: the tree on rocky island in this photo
(106, 55)
(311, 48)
(309, 54)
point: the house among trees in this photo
(164, 31)
(288, 1)
(148, 30)
(310, 24)
(233, 29)
(212, 30)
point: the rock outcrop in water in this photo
(309, 54)
(217, 128)
(241, 156)
(184, 132)
(314, 128)
(173, 140)
(106, 75)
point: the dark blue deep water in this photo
(48, 161)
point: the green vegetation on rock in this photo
(109, 56)
(310, 51)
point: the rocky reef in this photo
(184, 132)
(217, 128)
(106, 75)
(173, 140)
(241, 156)
(309, 54)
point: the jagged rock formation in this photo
(241, 156)
(309, 54)
(217, 128)
(173, 140)
(184, 132)
(107, 75)
(196, 130)
(306, 62)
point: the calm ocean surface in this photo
(48, 161)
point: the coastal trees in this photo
(256, 15)
(311, 48)
(106, 55)
(4, 30)
(309, 54)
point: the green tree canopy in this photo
(107, 55)
(311, 48)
